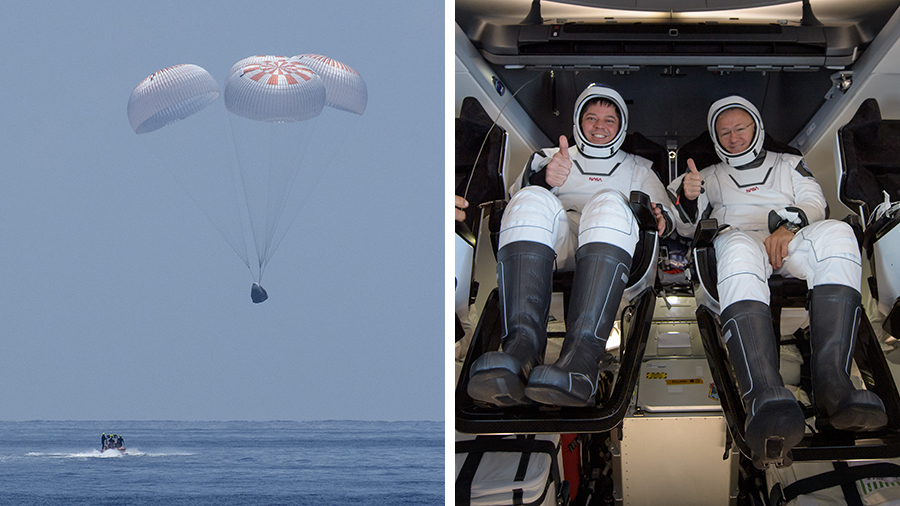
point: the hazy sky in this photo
(121, 300)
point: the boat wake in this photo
(108, 454)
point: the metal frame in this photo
(822, 446)
(479, 418)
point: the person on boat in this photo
(571, 213)
(776, 213)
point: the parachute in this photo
(274, 114)
(169, 95)
(272, 105)
(344, 87)
(174, 110)
(274, 90)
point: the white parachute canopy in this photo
(169, 95)
(345, 89)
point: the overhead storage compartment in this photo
(593, 45)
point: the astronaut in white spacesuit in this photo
(570, 198)
(776, 213)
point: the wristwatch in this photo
(791, 226)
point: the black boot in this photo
(601, 273)
(834, 312)
(525, 279)
(774, 422)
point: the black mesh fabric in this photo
(479, 173)
(870, 156)
(636, 144)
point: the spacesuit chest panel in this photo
(751, 193)
(590, 175)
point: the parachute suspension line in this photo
(273, 171)
(242, 254)
(279, 188)
(175, 101)
(262, 267)
(277, 237)
(499, 115)
(275, 206)
(243, 187)
(266, 179)
(329, 161)
(271, 177)
(232, 186)
(234, 178)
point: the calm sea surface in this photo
(223, 463)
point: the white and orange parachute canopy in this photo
(170, 94)
(274, 89)
(345, 89)
(253, 59)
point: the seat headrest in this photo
(637, 144)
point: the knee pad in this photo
(829, 254)
(743, 269)
(533, 214)
(608, 218)
(832, 238)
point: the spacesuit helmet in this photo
(603, 92)
(759, 133)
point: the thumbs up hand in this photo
(560, 165)
(692, 182)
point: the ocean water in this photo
(223, 463)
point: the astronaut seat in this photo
(785, 293)
(480, 153)
(870, 185)
(635, 310)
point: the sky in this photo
(123, 301)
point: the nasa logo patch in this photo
(803, 169)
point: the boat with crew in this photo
(112, 442)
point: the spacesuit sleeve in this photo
(686, 212)
(809, 200)
(535, 165)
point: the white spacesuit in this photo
(591, 206)
(541, 227)
(755, 193)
